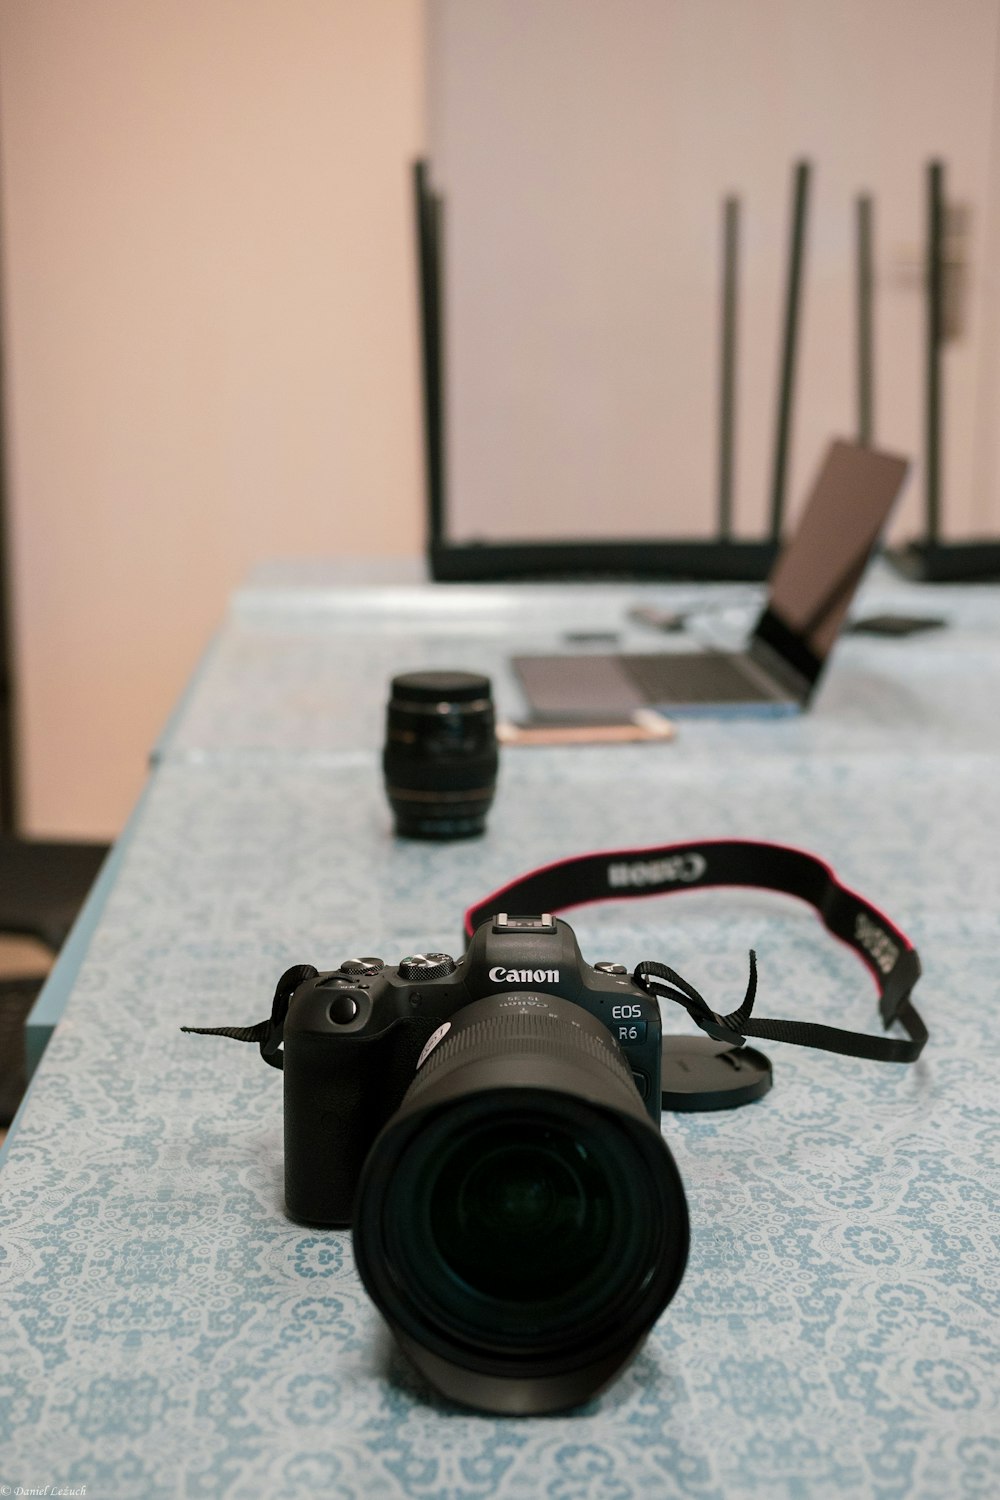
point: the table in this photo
(166, 1331)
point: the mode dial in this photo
(424, 966)
(362, 966)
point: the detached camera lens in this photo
(520, 1222)
(440, 758)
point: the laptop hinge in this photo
(777, 667)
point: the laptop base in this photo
(604, 689)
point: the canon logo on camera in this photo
(524, 976)
(676, 867)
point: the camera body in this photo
(355, 1038)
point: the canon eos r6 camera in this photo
(490, 1128)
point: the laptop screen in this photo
(815, 577)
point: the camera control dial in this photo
(362, 966)
(426, 966)
(609, 968)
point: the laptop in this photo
(809, 592)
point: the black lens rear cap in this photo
(701, 1074)
(440, 687)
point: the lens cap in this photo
(702, 1074)
(440, 687)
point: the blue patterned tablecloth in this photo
(166, 1331)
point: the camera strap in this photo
(267, 1034)
(668, 868)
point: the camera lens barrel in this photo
(440, 758)
(520, 1221)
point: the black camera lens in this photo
(440, 758)
(520, 1221)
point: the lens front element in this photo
(521, 1212)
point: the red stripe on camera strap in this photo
(666, 869)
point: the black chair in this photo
(43, 885)
(17, 996)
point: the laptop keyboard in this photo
(684, 678)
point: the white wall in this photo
(584, 149)
(210, 340)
